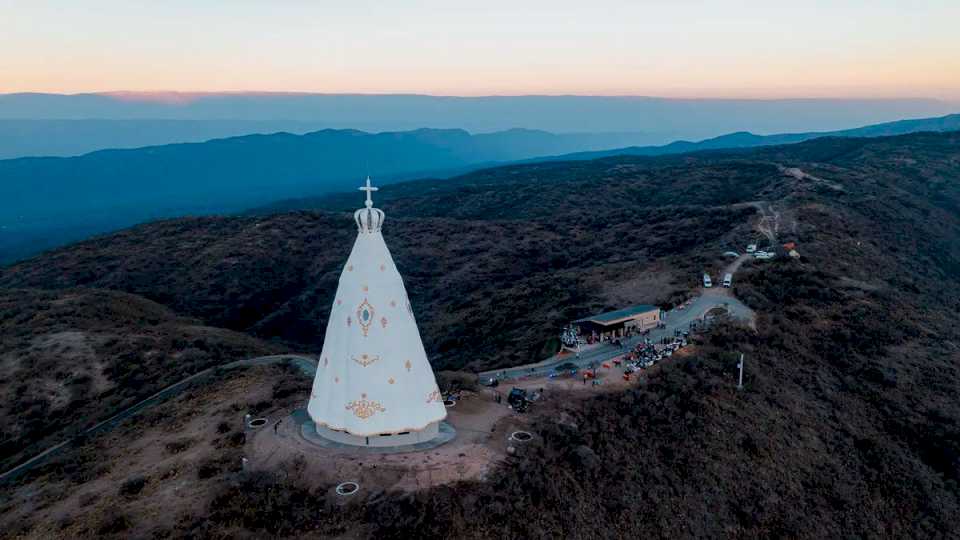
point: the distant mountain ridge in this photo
(670, 118)
(745, 139)
(34, 137)
(48, 201)
(732, 141)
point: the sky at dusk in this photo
(680, 48)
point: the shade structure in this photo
(374, 385)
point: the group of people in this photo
(571, 336)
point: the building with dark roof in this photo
(617, 323)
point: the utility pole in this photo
(740, 365)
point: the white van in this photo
(706, 281)
(751, 248)
(727, 280)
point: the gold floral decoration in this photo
(383, 322)
(391, 380)
(434, 396)
(407, 365)
(365, 359)
(364, 408)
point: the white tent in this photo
(374, 384)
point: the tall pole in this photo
(740, 384)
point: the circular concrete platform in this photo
(308, 432)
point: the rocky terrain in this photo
(848, 425)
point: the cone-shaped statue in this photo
(374, 384)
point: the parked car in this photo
(751, 248)
(727, 280)
(518, 399)
(706, 281)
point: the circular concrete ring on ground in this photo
(521, 436)
(348, 488)
(449, 403)
(258, 423)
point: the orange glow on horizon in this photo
(707, 49)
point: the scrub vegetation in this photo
(848, 425)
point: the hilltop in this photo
(848, 425)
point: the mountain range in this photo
(31, 137)
(45, 202)
(65, 138)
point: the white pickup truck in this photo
(706, 281)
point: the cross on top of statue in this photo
(369, 189)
